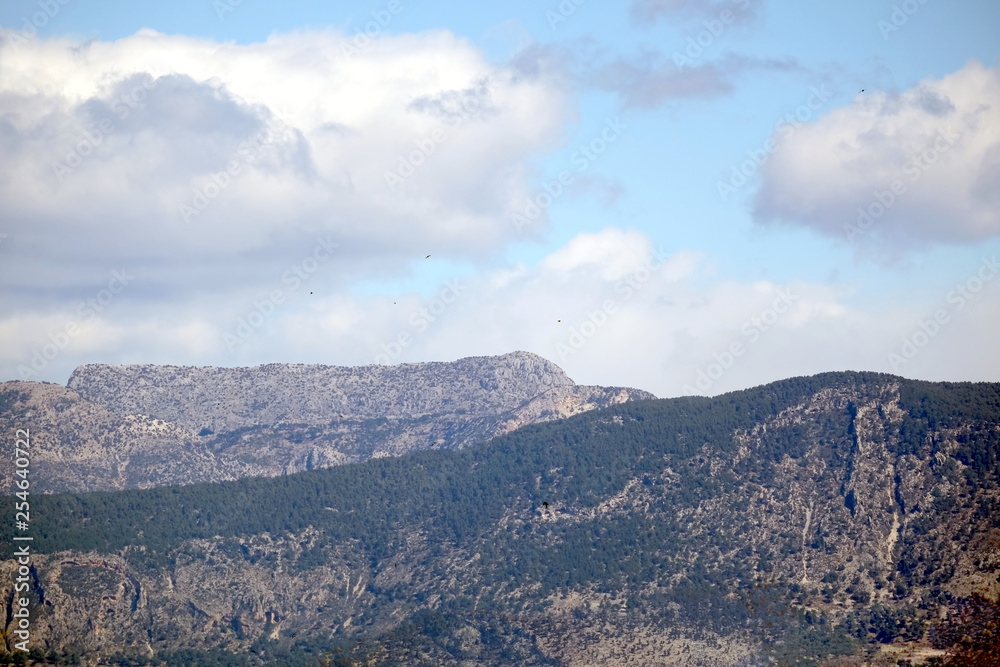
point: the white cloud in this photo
(102, 142)
(939, 143)
(611, 253)
(605, 307)
(330, 128)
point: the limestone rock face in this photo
(224, 399)
(139, 426)
(79, 446)
(843, 518)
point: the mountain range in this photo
(841, 519)
(139, 426)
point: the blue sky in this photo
(559, 83)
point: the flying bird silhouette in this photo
(428, 257)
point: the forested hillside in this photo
(847, 514)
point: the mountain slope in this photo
(225, 399)
(82, 446)
(815, 517)
(117, 427)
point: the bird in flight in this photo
(428, 257)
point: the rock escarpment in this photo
(139, 426)
(796, 523)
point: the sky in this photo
(683, 196)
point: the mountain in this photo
(842, 519)
(140, 426)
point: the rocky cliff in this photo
(139, 426)
(838, 520)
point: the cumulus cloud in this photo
(893, 172)
(288, 144)
(612, 307)
(208, 165)
(609, 307)
(611, 255)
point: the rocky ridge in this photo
(841, 515)
(138, 426)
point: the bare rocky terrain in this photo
(139, 426)
(832, 521)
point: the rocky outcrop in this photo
(843, 518)
(224, 399)
(138, 426)
(80, 446)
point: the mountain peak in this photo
(229, 398)
(128, 425)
